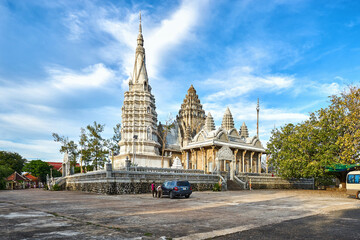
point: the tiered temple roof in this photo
(209, 123)
(228, 121)
(244, 131)
(191, 117)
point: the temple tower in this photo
(209, 123)
(244, 133)
(191, 117)
(228, 121)
(139, 117)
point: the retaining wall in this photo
(267, 181)
(132, 182)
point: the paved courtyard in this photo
(259, 214)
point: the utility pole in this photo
(257, 120)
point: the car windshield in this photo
(183, 183)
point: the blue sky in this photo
(65, 64)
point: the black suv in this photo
(176, 188)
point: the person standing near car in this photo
(159, 191)
(153, 190)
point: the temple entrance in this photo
(224, 159)
(227, 169)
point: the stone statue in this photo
(177, 164)
(66, 164)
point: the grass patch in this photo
(148, 234)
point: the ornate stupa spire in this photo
(139, 117)
(244, 131)
(209, 123)
(140, 29)
(139, 75)
(228, 121)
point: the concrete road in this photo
(261, 214)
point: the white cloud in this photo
(93, 76)
(34, 149)
(25, 122)
(318, 89)
(74, 23)
(238, 81)
(159, 39)
(245, 111)
(59, 80)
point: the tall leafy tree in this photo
(162, 133)
(83, 143)
(5, 171)
(38, 168)
(348, 104)
(67, 146)
(12, 160)
(96, 144)
(113, 142)
(329, 136)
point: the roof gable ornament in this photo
(225, 153)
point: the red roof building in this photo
(56, 165)
(16, 181)
(31, 177)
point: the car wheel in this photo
(172, 195)
(187, 196)
(358, 195)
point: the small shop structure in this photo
(17, 181)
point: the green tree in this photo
(348, 105)
(329, 136)
(96, 144)
(67, 146)
(5, 171)
(83, 143)
(113, 143)
(38, 168)
(162, 133)
(12, 160)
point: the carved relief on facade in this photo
(225, 153)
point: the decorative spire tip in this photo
(140, 29)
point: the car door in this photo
(165, 188)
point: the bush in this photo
(56, 188)
(217, 187)
(324, 181)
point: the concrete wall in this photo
(132, 182)
(138, 180)
(267, 181)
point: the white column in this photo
(251, 161)
(259, 163)
(243, 161)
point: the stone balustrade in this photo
(268, 181)
(136, 180)
(168, 170)
(139, 179)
